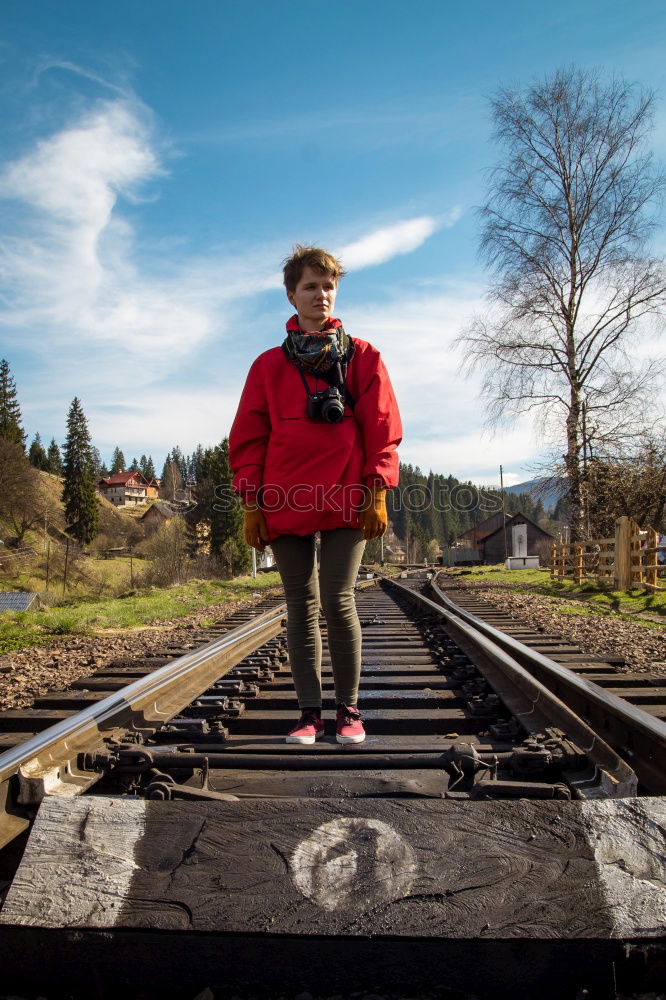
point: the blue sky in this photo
(160, 159)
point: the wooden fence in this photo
(628, 560)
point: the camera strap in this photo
(336, 375)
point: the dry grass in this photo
(597, 598)
(164, 605)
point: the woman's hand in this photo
(254, 527)
(373, 517)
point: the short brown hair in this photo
(314, 257)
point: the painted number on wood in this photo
(353, 862)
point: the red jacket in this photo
(311, 473)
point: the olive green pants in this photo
(333, 584)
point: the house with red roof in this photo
(128, 489)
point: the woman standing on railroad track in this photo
(313, 449)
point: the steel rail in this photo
(531, 701)
(638, 736)
(47, 762)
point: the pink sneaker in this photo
(349, 726)
(308, 729)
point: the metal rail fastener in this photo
(615, 777)
(46, 764)
(635, 734)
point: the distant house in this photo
(128, 489)
(523, 538)
(394, 551)
(474, 537)
(485, 541)
(267, 559)
(157, 515)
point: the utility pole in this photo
(64, 576)
(506, 548)
(254, 562)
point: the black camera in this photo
(328, 405)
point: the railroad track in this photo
(592, 685)
(646, 691)
(472, 816)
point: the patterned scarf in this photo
(315, 351)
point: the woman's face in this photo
(314, 298)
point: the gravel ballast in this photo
(643, 647)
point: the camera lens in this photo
(332, 410)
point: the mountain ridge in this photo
(548, 490)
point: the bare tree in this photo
(167, 550)
(632, 484)
(22, 501)
(566, 225)
(171, 487)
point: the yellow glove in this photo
(373, 517)
(254, 527)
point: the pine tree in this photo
(150, 468)
(181, 460)
(117, 461)
(226, 524)
(143, 461)
(134, 467)
(54, 459)
(79, 494)
(217, 507)
(36, 455)
(197, 458)
(97, 463)
(10, 411)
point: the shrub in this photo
(167, 548)
(64, 625)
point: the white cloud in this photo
(76, 174)
(382, 244)
(442, 412)
(71, 268)
(510, 479)
(475, 455)
(158, 420)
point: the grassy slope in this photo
(99, 575)
(154, 606)
(84, 610)
(597, 599)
